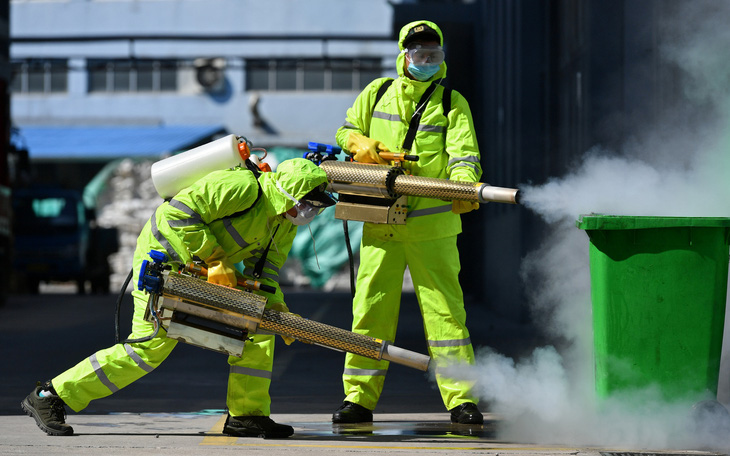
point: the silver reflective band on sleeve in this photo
(251, 372)
(248, 271)
(450, 343)
(250, 263)
(431, 128)
(194, 216)
(182, 223)
(162, 240)
(139, 361)
(469, 165)
(429, 211)
(349, 125)
(366, 372)
(101, 375)
(466, 158)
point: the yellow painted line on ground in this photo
(404, 447)
(219, 439)
(224, 440)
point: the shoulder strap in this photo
(381, 91)
(258, 269)
(446, 101)
(416, 119)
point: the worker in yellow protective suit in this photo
(413, 114)
(224, 218)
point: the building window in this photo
(145, 75)
(311, 74)
(40, 76)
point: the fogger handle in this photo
(397, 156)
(250, 284)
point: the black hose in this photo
(349, 255)
(119, 306)
(157, 325)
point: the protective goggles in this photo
(430, 55)
(304, 208)
(308, 210)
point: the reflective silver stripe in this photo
(450, 343)
(248, 271)
(267, 264)
(251, 372)
(349, 125)
(184, 207)
(139, 361)
(181, 223)
(386, 116)
(366, 372)
(466, 158)
(162, 240)
(431, 128)
(429, 211)
(474, 167)
(234, 233)
(470, 161)
(194, 217)
(101, 375)
(396, 118)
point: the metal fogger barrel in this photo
(220, 318)
(374, 193)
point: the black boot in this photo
(349, 412)
(49, 412)
(466, 413)
(256, 426)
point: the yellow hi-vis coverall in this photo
(197, 221)
(447, 148)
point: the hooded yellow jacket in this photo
(445, 144)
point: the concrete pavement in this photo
(178, 409)
(200, 434)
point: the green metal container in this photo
(658, 291)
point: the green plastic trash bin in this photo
(658, 291)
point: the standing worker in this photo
(413, 114)
(226, 217)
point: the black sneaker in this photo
(349, 412)
(49, 412)
(466, 413)
(256, 426)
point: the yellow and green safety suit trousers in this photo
(109, 370)
(434, 267)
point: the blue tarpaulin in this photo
(110, 142)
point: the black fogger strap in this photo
(416, 119)
(258, 270)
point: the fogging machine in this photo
(221, 318)
(378, 193)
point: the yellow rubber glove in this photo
(462, 207)
(364, 149)
(220, 269)
(281, 307)
(222, 273)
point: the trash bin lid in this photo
(627, 222)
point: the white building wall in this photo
(231, 29)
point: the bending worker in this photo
(226, 217)
(416, 115)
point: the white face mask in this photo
(303, 217)
(305, 212)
